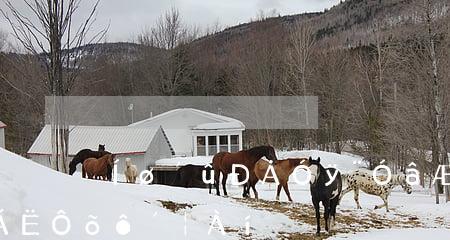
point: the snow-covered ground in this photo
(410, 234)
(163, 212)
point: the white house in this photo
(179, 132)
(143, 145)
(192, 132)
(2, 134)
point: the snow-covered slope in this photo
(29, 186)
(25, 185)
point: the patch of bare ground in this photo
(347, 220)
(174, 207)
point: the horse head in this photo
(405, 185)
(72, 167)
(110, 159)
(101, 148)
(314, 167)
(263, 151)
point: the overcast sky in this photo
(127, 18)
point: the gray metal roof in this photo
(117, 140)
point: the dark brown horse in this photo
(88, 153)
(191, 176)
(94, 168)
(223, 163)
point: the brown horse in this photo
(223, 163)
(94, 168)
(283, 169)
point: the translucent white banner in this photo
(256, 112)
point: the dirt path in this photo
(347, 220)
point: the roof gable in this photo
(190, 116)
(2, 125)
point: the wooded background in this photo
(377, 67)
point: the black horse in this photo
(88, 153)
(190, 176)
(324, 191)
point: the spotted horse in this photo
(363, 180)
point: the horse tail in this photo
(73, 164)
(344, 177)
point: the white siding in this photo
(44, 160)
(179, 125)
(158, 149)
(2, 137)
(137, 159)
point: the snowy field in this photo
(162, 212)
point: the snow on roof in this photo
(182, 161)
(234, 123)
(2, 125)
(118, 140)
(215, 126)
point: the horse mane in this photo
(259, 151)
(294, 162)
(320, 169)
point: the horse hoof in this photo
(376, 207)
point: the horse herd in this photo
(326, 184)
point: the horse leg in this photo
(345, 191)
(384, 197)
(278, 192)
(317, 208)
(246, 190)
(216, 181)
(286, 190)
(356, 197)
(254, 191)
(83, 172)
(333, 206)
(326, 214)
(224, 183)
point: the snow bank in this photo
(344, 162)
(181, 161)
(26, 185)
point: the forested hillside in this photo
(370, 62)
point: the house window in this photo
(223, 141)
(212, 145)
(201, 146)
(234, 143)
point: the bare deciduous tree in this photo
(3, 37)
(49, 33)
(172, 36)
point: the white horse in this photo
(363, 180)
(130, 171)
